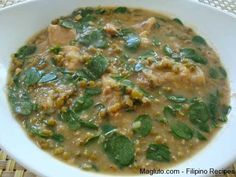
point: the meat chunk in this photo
(72, 58)
(179, 75)
(146, 25)
(58, 35)
(111, 97)
(110, 29)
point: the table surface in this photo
(10, 168)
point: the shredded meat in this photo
(169, 72)
(58, 35)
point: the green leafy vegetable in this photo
(142, 125)
(95, 38)
(178, 21)
(107, 128)
(169, 112)
(82, 103)
(213, 72)
(225, 111)
(20, 101)
(177, 99)
(148, 54)
(25, 51)
(55, 49)
(222, 72)
(199, 40)
(121, 10)
(31, 76)
(213, 105)
(49, 77)
(156, 42)
(132, 40)
(171, 53)
(119, 149)
(97, 66)
(93, 91)
(181, 130)
(200, 136)
(193, 55)
(158, 152)
(198, 113)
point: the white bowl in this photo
(19, 22)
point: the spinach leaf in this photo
(87, 124)
(92, 140)
(148, 54)
(107, 128)
(119, 149)
(213, 72)
(31, 76)
(25, 51)
(178, 21)
(168, 51)
(20, 101)
(35, 130)
(181, 130)
(225, 110)
(198, 113)
(48, 77)
(93, 91)
(55, 49)
(177, 98)
(158, 152)
(83, 74)
(82, 103)
(142, 125)
(222, 72)
(132, 40)
(97, 66)
(138, 67)
(95, 38)
(169, 112)
(213, 105)
(67, 23)
(193, 55)
(121, 10)
(156, 42)
(200, 136)
(199, 40)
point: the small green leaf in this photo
(67, 23)
(168, 51)
(193, 55)
(178, 21)
(49, 77)
(58, 138)
(142, 125)
(222, 72)
(82, 103)
(198, 113)
(200, 136)
(132, 41)
(199, 40)
(213, 72)
(158, 152)
(169, 112)
(93, 91)
(181, 130)
(121, 10)
(148, 54)
(97, 66)
(119, 149)
(156, 42)
(95, 38)
(25, 51)
(55, 49)
(31, 76)
(20, 101)
(138, 67)
(107, 128)
(177, 98)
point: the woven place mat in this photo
(9, 167)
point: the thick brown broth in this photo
(116, 89)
